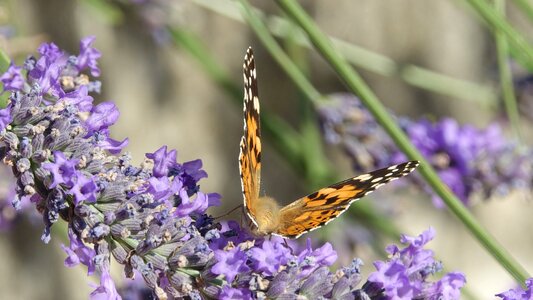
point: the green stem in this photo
(356, 84)
(371, 61)
(5, 61)
(506, 79)
(520, 48)
(526, 8)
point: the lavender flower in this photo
(404, 275)
(519, 293)
(65, 162)
(470, 161)
(151, 218)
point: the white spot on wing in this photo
(363, 177)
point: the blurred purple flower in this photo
(12, 79)
(469, 160)
(519, 293)
(5, 117)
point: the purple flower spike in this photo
(88, 56)
(12, 79)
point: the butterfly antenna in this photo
(229, 212)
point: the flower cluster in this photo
(470, 161)
(270, 270)
(151, 218)
(404, 275)
(58, 145)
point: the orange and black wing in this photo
(319, 208)
(250, 154)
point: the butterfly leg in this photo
(287, 245)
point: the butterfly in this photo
(307, 213)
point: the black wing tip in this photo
(249, 56)
(411, 163)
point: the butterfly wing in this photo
(324, 205)
(250, 154)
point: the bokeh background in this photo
(166, 97)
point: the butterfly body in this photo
(307, 213)
(267, 218)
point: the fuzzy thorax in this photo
(267, 215)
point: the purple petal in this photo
(80, 98)
(62, 169)
(163, 160)
(79, 253)
(12, 79)
(5, 116)
(84, 189)
(102, 116)
(107, 289)
(88, 56)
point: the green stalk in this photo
(5, 61)
(368, 60)
(520, 48)
(356, 84)
(526, 8)
(506, 79)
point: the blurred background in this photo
(422, 58)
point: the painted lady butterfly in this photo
(307, 213)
